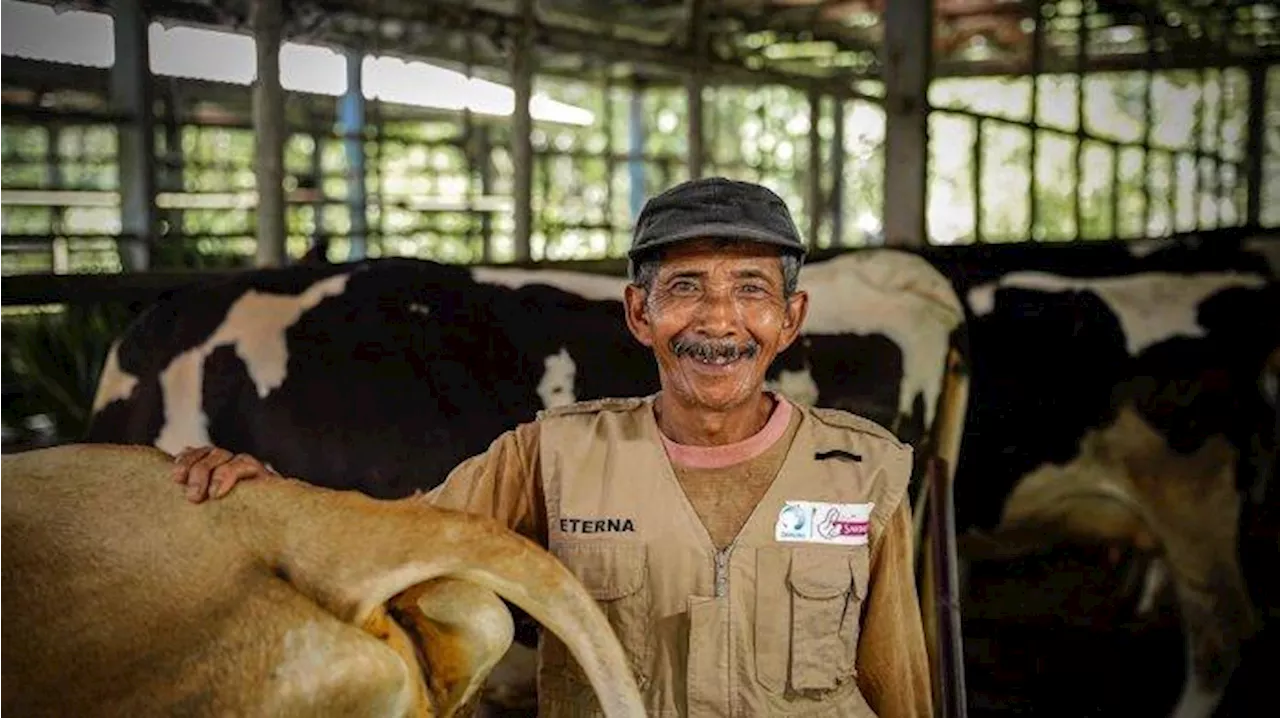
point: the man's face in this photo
(716, 317)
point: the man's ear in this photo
(796, 310)
(635, 301)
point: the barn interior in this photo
(152, 146)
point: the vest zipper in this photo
(722, 571)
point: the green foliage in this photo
(52, 361)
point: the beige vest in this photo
(768, 627)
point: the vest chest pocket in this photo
(808, 610)
(616, 576)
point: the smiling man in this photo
(752, 555)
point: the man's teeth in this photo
(717, 361)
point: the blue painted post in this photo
(635, 151)
(351, 119)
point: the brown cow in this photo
(284, 599)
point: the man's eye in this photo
(752, 289)
(683, 286)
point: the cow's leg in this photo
(463, 631)
(1215, 625)
(513, 685)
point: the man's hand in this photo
(210, 472)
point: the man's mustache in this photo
(713, 349)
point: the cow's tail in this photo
(385, 548)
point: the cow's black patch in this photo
(135, 420)
(1043, 377)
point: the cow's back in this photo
(136, 596)
(377, 376)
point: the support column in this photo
(697, 151)
(132, 95)
(694, 84)
(1257, 144)
(352, 120)
(815, 167)
(60, 251)
(484, 149)
(269, 127)
(320, 233)
(170, 178)
(635, 150)
(908, 38)
(521, 129)
(835, 202)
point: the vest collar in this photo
(800, 451)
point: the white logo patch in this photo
(817, 522)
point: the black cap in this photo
(714, 208)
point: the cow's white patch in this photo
(1150, 307)
(1154, 579)
(1269, 386)
(583, 284)
(881, 291)
(255, 325)
(304, 659)
(1268, 248)
(896, 294)
(556, 385)
(115, 383)
(798, 386)
(1144, 247)
(1196, 701)
(316, 661)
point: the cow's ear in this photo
(637, 309)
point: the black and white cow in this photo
(381, 376)
(1152, 356)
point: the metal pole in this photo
(60, 250)
(610, 159)
(815, 168)
(1149, 29)
(1257, 139)
(131, 93)
(835, 203)
(1196, 190)
(521, 129)
(319, 235)
(978, 236)
(635, 150)
(485, 151)
(1082, 53)
(171, 172)
(1037, 61)
(694, 84)
(352, 107)
(269, 127)
(908, 37)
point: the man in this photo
(752, 555)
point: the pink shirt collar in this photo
(718, 457)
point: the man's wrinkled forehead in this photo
(703, 257)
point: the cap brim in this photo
(719, 230)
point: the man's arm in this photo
(503, 483)
(893, 665)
